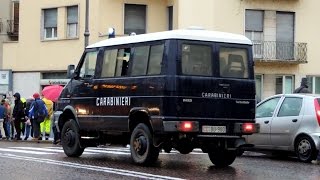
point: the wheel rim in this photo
(304, 148)
(140, 144)
(69, 137)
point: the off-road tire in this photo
(148, 153)
(222, 158)
(70, 139)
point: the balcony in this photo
(286, 52)
(13, 29)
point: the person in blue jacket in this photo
(37, 112)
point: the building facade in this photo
(9, 18)
(51, 35)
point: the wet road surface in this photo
(25, 160)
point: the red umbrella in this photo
(52, 92)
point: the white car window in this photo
(266, 109)
(291, 106)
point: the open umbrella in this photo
(52, 92)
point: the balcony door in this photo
(285, 35)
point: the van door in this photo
(216, 81)
(82, 91)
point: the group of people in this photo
(31, 117)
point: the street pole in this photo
(86, 32)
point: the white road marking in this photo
(122, 172)
(87, 151)
(46, 149)
(23, 151)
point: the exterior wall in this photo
(26, 83)
(5, 14)
(37, 54)
(33, 54)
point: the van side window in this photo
(109, 63)
(140, 60)
(89, 65)
(233, 62)
(155, 60)
(123, 58)
(196, 60)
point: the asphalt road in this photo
(26, 160)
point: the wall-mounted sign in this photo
(54, 81)
(4, 77)
(5, 81)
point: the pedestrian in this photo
(29, 122)
(3, 114)
(7, 121)
(38, 112)
(317, 161)
(303, 87)
(45, 126)
(18, 115)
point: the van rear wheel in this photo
(71, 139)
(222, 158)
(142, 150)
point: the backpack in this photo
(40, 113)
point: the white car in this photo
(289, 122)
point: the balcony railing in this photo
(1, 25)
(274, 51)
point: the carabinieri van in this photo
(180, 89)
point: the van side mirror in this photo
(70, 71)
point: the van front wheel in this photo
(142, 150)
(71, 139)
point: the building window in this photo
(285, 35)
(284, 84)
(170, 17)
(135, 19)
(50, 23)
(254, 30)
(72, 21)
(259, 86)
(314, 84)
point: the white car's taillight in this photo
(317, 107)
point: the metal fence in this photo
(280, 51)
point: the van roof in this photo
(186, 34)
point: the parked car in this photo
(290, 123)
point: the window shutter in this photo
(72, 14)
(254, 20)
(50, 18)
(135, 19)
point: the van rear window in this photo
(196, 60)
(233, 62)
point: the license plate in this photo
(214, 129)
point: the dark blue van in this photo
(180, 89)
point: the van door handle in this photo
(88, 84)
(266, 122)
(294, 120)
